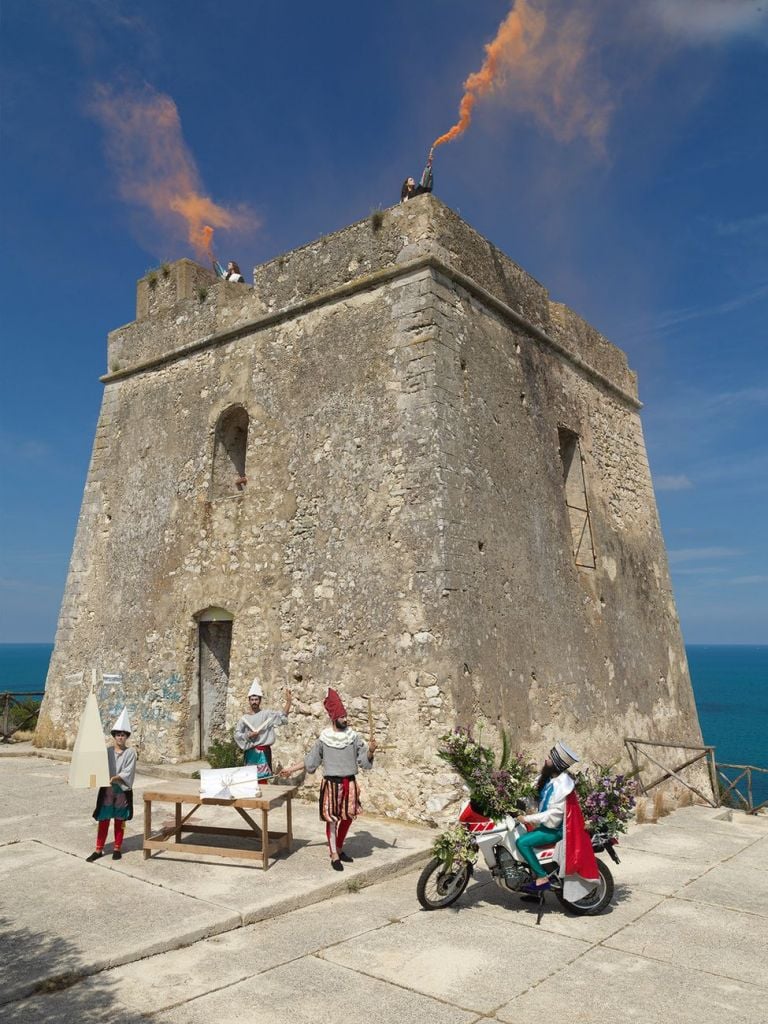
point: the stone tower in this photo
(394, 466)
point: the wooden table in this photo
(184, 793)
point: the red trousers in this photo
(336, 834)
(101, 834)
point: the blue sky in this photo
(311, 115)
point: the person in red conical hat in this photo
(334, 705)
(341, 751)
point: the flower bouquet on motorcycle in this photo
(488, 825)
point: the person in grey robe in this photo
(115, 801)
(255, 732)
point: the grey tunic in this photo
(339, 761)
(265, 736)
(122, 764)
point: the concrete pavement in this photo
(169, 939)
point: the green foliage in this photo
(455, 844)
(23, 715)
(377, 220)
(165, 270)
(202, 293)
(224, 753)
(152, 279)
(506, 749)
(354, 885)
(494, 791)
(607, 800)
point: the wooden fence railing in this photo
(637, 749)
(16, 713)
(725, 790)
(729, 788)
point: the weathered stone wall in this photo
(402, 533)
(550, 649)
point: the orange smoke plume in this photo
(155, 168)
(540, 63)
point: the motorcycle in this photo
(441, 884)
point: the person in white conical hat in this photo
(115, 802)
(546, 825)
(255, 732)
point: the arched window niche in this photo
(229, 451)
(214, 647)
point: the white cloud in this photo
(750, 579)
(712, 21)
(744, 396)
(671, 318)
(673, 483)
(695, 554)
(743, 226)
(701, 570)
(680, 316)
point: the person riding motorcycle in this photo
(553, 786)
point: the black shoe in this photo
(337, 865)
(531, 887)
(345, 857)
(117, 855)
(94, 856)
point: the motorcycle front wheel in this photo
(439, 886)
(595, 901)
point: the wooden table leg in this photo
(289, 823)
(147, 825)
(178, 823)
(265, 839)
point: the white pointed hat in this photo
(256, 690)
(123, 723)
(562, 757)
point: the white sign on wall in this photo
(112, 678)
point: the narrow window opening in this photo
(582, 544)
(229, 451)
(214, 648)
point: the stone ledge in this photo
(366, 283)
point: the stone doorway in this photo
(215, 645)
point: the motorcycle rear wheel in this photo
(439, 887)
(594, 902)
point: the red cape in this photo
(580, 858)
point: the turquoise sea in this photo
(730, 683)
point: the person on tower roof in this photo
(411, 189)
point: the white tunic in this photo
(552, 805)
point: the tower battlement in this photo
(183, 305)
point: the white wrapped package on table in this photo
(229, 783)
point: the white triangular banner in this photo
(89, 766)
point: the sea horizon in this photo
(730, 685)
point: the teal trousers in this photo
(539, 837)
